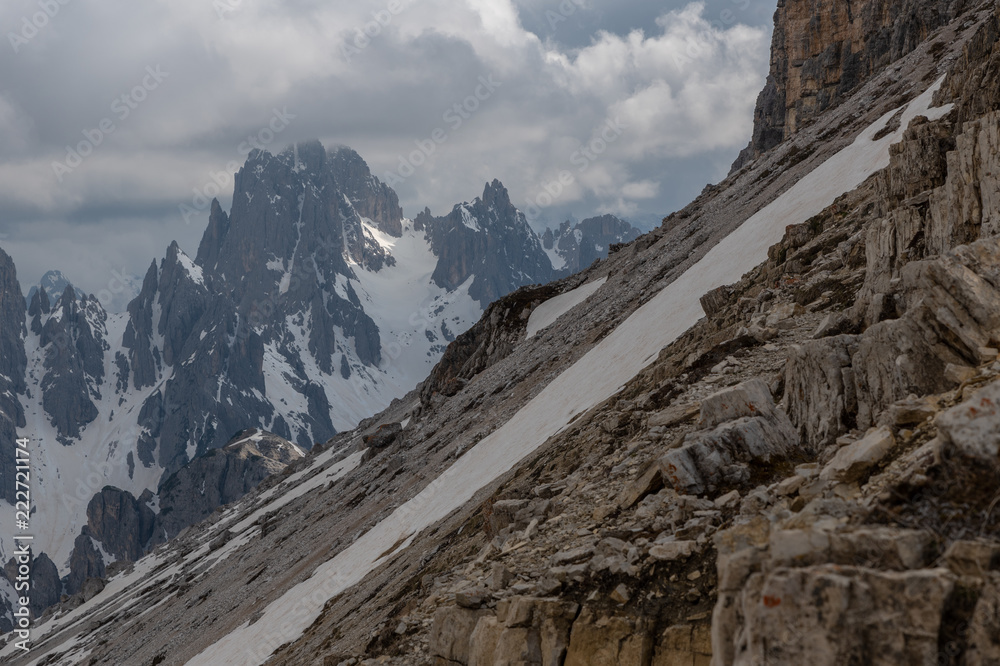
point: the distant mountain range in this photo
(309, 306)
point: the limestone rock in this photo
(827, 616)
(973, 427)
(673, 550)
(973, 558)
(684, 645)
(601, 640)
(526, 630)
(451, 633)
(674, 415)
(952, 308)
(745, 425)
(846, 45)
(984, 626)
(854, 460)
(820, 389)
(483, 641)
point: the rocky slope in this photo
(793, 464)
(309, 306)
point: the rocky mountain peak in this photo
(372, 198)
(211, 240)
(495, 195)
(822, 51)
(54, 282)
(490, 239)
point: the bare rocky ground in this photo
(809, 475)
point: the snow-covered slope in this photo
(597, 376)
(555, 307)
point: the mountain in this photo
(764, 417)
(823, 52)
(115, 297)
(573, 247)
(508, 257)
(308, 307)
(53, 282)
(764, 432)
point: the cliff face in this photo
(823, 50)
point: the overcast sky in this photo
(633, 105)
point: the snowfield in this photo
(548, 312)
(591, 380)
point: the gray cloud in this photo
(680, 81)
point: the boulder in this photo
(853, 461)
(951, 311)
(973, 427)
(451, 631)
(829, 615)
(603, 640)
(750, 399)
(742, 425)
(673, 550)
(384, 435)
(504, 512)
(820, 391)
(673, 415)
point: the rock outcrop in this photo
(218, 477)
(823, 50)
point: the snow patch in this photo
(193, 269)
(469, 220)
(549, 311)
(557, 260)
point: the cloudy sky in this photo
(116, 118)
